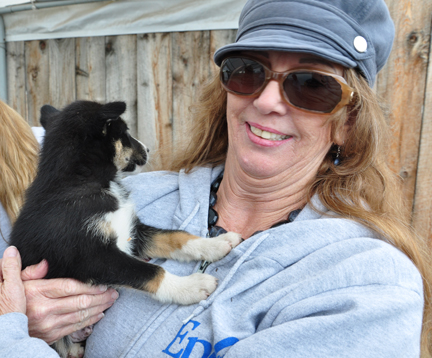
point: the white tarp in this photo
(122, 17)
(4, 3)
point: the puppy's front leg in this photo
(182, 246)
(185, 290)
(116, 268)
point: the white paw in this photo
(185, 290)
(82, 334)
(220, 246)
(209, 249)
(76, 351)
(231, 237)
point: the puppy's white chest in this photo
(122, 220)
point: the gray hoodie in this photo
(320, 286)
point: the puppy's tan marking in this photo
(163, 244)
(154, 284)
(122, 156)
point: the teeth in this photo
(267, 135)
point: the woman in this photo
(54, 307)
(296, 164)
(290, 145)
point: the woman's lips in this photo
(261, 136)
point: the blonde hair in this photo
(208, 131)
(18, 159)
(362, 188)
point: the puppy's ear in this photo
(113, 110)
(47, 115)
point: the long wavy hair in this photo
(362, 187)
(18, 159)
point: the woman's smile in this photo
(265, 136)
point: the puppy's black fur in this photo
(79, 218)
(75, 173)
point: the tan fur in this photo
(18, 159)
(153, 285)
(165, 243)
(122, 157)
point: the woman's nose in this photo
(270, 100)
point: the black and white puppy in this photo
(78, 216)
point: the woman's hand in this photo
(12, 296)
(58, 307)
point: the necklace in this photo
(213, 216)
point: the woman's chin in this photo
(261, 167)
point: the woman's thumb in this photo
(11, 265)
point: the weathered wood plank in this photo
(402, 85)
(90, 68)
(190, 68)
(37, 80)
(219, 38)
(16, 77)
(422, 213)
(121, 75)
(62, 87)
(155, 96)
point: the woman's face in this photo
(267, 136)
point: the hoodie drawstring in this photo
(204, 304)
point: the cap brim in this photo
(290, 41)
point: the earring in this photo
(337, 159)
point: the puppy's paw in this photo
(82, 334)
(231, 237)
(76, 351)
(220, 246)
(185, 290)
(201, 286)
(209, 249)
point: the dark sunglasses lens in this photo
(242, 75)
(313, 91)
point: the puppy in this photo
(78, 216)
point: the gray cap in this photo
(354, 33)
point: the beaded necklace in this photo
(213, 216)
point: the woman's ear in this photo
(342, 132)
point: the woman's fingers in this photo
(35, 272)
(12, 296)
(73, 304)
(62, 287)
(56, 327)
(58, 307)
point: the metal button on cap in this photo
(360, 44)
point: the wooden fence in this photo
(158, 75)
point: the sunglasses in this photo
(309, 90)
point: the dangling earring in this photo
(337, 159)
